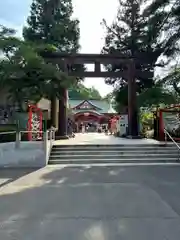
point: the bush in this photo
(9, 137)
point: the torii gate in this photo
(65, 62)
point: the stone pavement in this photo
(93, 203)
(101, 138)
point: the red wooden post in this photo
(30, 116)
(161, 126)
(30, 123)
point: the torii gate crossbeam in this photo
(66, 62)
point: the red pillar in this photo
(161, 126)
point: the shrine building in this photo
(85, 111)
(91, 111)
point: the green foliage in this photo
(134, 34)
(109, 97)
(173, 79)
(50, 22)
(8, 128)
(147, 118)
(137, 32)
(156, 95)
(147, 124)
(25, 74)
(80, 92)
(170, 28)
(51, 28)
(121, 98)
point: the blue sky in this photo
(13, 13)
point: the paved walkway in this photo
(91, 203)
(101, 138)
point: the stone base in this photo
(133, 137)
(61, 137)
(72, 136)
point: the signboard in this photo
(123, 124)
(171, 122)
(85, 105)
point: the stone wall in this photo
(30, 154)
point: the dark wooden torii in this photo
(65, 62)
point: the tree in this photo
(50, 22)
(155, 96)
(23, 72)
(172, 79)
(94, 93)
(158, 94)
(109, 96)
(170, 27)
(80, 92)
(135, 33)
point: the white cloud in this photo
(8, 24)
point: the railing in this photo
(175, 143)
(47, 139)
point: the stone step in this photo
(115, 145)
(111, 148)
(114, 156)
(113, 161)
(110, 152)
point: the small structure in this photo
(92, 112)
(169, 119)
(83, 112)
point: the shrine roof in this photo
(101, 106)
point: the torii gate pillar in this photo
(62, 115)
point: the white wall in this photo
(30, 154)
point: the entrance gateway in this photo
(128, 70)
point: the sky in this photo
(13, 13)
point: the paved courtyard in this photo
(93, 203)
(101, 138)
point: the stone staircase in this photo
(114, 154)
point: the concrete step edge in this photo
(135, 164)
(116, 144)
(111, 145)
(115, 149)
(112, 152)
(112, 161)
(107, 159)
(118, 156)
